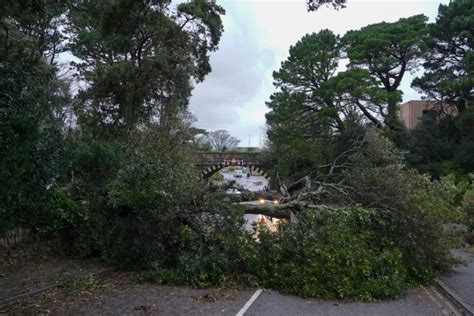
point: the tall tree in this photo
(221, 140)
(142, 68)
(449, 80)
(30, 138)
(449, 62)
(304, 110)
(302, 82)
(387, 51)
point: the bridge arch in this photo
(209, 171)
(211, 162)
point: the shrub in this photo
(208, 248)
(149, 202)
(79, 206)
(332, 254)
(414, 208)
(220, 256)
(467, 209)
(64, 215)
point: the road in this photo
(461, 279)
(121, 294)
(252, 183)
(417, 302)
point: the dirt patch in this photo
(34, 267)
(121, 294)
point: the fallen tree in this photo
(311, 191)
(365, 218)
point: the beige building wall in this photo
(410, 112)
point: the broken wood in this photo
(280, 210)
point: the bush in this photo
(210, 250)
(332, 254)
(79, 205)
(414, 208)
(163, 218)
(222, 255)
(467, 209)
(65, 214)
(148, 202)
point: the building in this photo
(410, 112)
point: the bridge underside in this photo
(208, 171)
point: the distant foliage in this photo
(218, 140)
(314, 5)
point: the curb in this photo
(464, 308)
(99, 275)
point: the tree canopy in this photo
(304, 109)
(449, 61)
(141, 69)
(314, 5)
(387, 51)
(219, 140)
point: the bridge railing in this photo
(214, 158)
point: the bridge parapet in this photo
(215, 158)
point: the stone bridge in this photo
(211, 162)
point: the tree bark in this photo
(253, 196)
(280, 210)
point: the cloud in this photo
(239, 69)
(257, 37)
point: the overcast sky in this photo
(257, 36)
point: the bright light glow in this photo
(275, 202)
(261, 201)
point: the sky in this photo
(256, 39)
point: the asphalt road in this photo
(122, 295)
(461, 279)
(419, 301)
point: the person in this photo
(248, 174)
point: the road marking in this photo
(249, 303)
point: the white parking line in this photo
(249, 303)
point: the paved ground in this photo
(461, 279)
(417, 302)
(121, 294)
